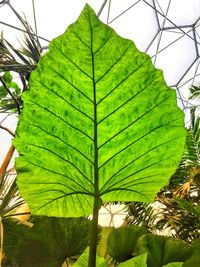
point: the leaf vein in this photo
(115, 63)
(70, 104)
(129, 125)
(125, 189)
(58, 183)
(146, 167)
(55, 136)
(75, 33)
(128, 76)
(60, 174)
(123, 104)
(98, 49)
(67, 81)
(135, 141)
(65, 195)
(73, 63)
(77, 129)
(54, 153)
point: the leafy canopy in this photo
(98, 122)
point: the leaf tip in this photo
(87, 8)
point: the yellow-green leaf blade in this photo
(93, 81)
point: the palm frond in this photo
(195, 91)
(163, 250)
(122, 242)
(22, 60)
(31, 47)
(178, 212)
(9, 196)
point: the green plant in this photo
(9, 94)
(23, 60)
(178, 201)
(194, 260)
(163, 250)
(9, 196)
(122, 242)
(83, 260)
(96, 126)
(48, 242)
(195, 91)
(139, 261)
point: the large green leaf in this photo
(48, 243)
(174, 264)
(163, 250)
(99, 120)
(83, 260)
(139, 261)
(122, 242)
(194, 261)
(102, 245)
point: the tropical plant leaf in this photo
(83, 260)
(194, 261)
(102, 246)
(7, 102)
(140, 213)
(48, 243)
(96, 123)
(122, 242)
(163, 250)
(174, 264)
(192, 149)
(139, 261)
(195, 91)
(7, 77)
(10, 199)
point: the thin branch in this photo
(6, 161)
(7, 129)
(23, 80)
(10, 93)
(66, 261)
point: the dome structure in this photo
(167, 30)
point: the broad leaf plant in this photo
(98, 124)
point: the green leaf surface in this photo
(96, 121)
(122, 242)
(194, 261)
(48, 243)
(3, 92)
(102, 246)
(7, 77)
(163, 250)
(174, 264)
(17, 90)
(139, 261)
(83, 260)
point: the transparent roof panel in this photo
(178, 12)
(168, 30)
(167, 54)
(131, 24)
